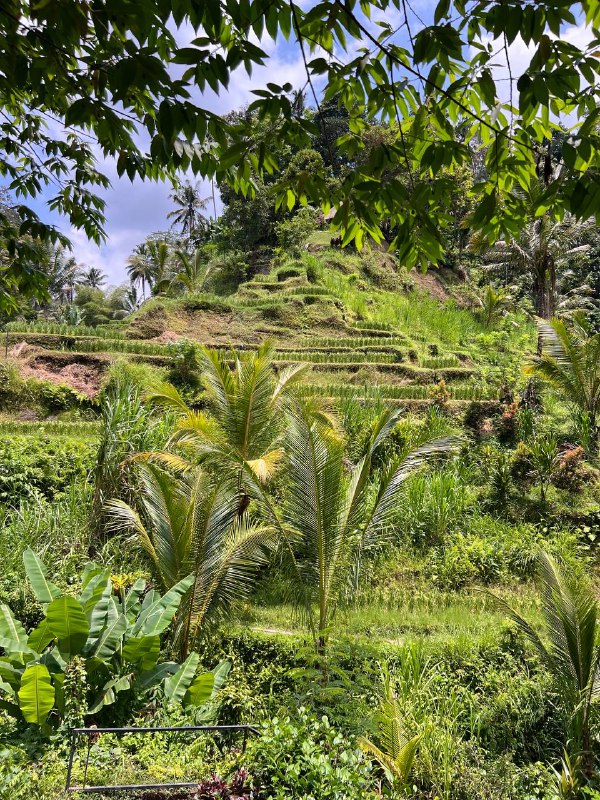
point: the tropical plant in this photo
(570, 361)
(116, 637)
(396, 750)
(569, 648)
(493, 304)
(194, 270)
(190, 525)
(247, 406)
(93, 277)
(189, 206)
(544, 457)
(330, 520)
(140, 268)
(62, 273)
(537, 254)
(127, 427)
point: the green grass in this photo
(79, 430)
(425, 613)
(402, 392)
(104, 332)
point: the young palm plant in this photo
(569, 648)
(246, 423)
(188, 525)
(330, 517)
(395, 750)
(493, 304)
(545, 461)
(570, 361)
(193, 270)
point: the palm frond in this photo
(166, 396)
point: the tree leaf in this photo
(201, 690)
(68, 622)
(40, 637)
(177, 685)
(43, 589)
(109, 691)
(154, 676)
(13, 637)
(159, 615)
(110, 638)
(36, 695)
(143, 650)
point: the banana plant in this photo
(116, 637)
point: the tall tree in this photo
(78, 86)
(543, 247)
(93, 277)
(189, 206)
(140, 268)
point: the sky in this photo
(135, 210)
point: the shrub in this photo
(306, 758)
(508, 424)
(185, 366)
(570, 472)
(521, 464)
(84, 654)
(293, 233)
(42, 466)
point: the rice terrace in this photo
(300, 399)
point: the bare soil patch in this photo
(81, 373)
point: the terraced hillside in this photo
(368, 332)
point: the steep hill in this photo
(367, 329)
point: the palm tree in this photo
(93, 277)
(493, 304)
(543, 246)
(569, 647)
(140, 268)
(243, 435)
(570, 361)
(189, 524)
(194, 270)
(160, 256)
(62, 273)
(396, 749)
(189, 208)
(330, 519)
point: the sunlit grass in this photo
(425, 613)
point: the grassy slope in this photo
(366, 330)
(368, 333)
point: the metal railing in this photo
(93, 733)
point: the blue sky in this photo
(134, 210)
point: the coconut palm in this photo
(395, 750)
(189, 207)
(568, 647)
(544, 246)
(194, 270)
(189, 525)
(93, 277)
(331, 518)
(247, 403)
(570, 361)
(62, 273)
(140, 268)
(493, 304)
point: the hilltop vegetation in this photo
(369, 359)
